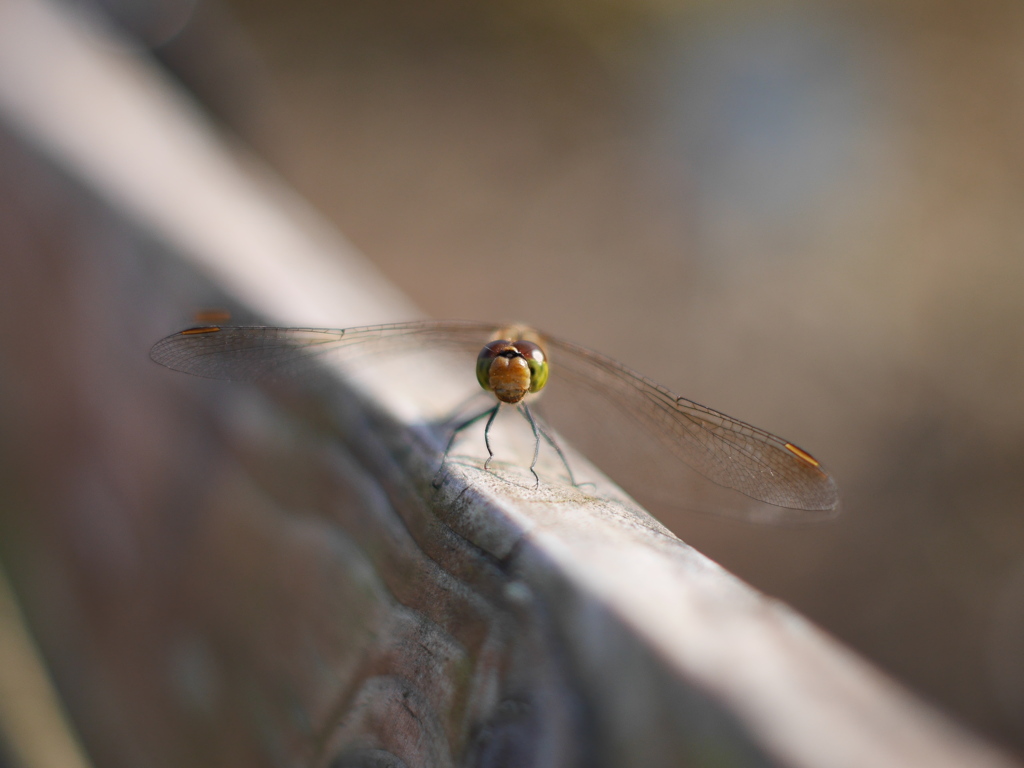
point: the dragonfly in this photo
(688, 455)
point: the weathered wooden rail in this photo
(220, 575)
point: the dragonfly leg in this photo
(487, 434)
(455, 416)
(491, 412)
(538, 425)
(523, 409)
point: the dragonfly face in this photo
(512, 369)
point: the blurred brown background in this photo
(808, 215)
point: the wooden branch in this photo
(223, 575)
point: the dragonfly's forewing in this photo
(255, 353)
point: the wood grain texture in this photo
(226, 575)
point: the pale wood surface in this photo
(220, 575)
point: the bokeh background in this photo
(808, 215)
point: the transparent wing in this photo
(252, 353)
(726, 451)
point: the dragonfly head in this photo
(512, 369)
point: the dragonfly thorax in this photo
(512, 369)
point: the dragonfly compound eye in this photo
(484, 360)
(536, 360)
